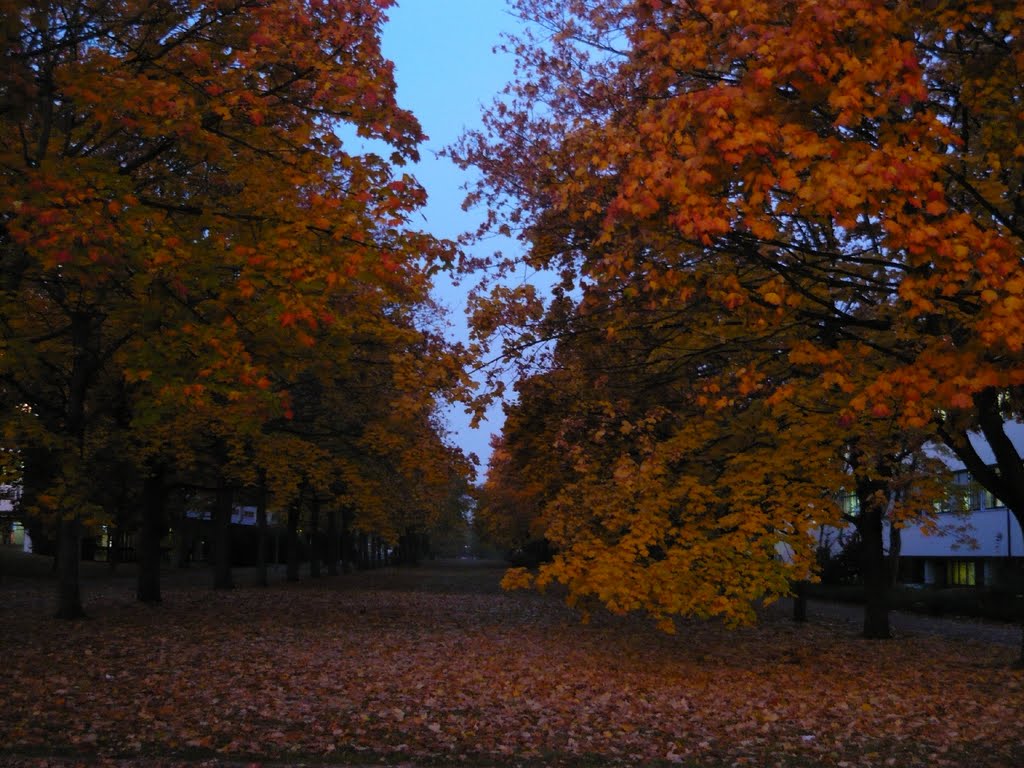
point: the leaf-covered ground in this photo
(435, 666)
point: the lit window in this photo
(849, 503)
(960, 573)
(991, 502)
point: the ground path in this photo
(905, 623)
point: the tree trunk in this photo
(332, 542)
(222, 576)
(346, 543)
(875, 567)
(895, 547)
(114, 545)
(261, 525)
(800, 601)
(314, 537)
(153, 523)
(69, 532)
(69, 555)
(363, 554)
(293, 542)
(183, 542)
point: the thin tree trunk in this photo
(69, 555)
(114, 539)
(346, 543)
(800, 601)
(184, 542)
(895, 547)
(222, 576)
(332, 542)
(363, 553)
(293, 541)
(153, 522)
(261, 524)
(314, 537)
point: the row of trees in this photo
(787, 245)
(205, 280)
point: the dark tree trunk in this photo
(222, 576)
(875, 567)
(363, 544)
(114, 544)
(895, 547)
(410, 548)
(314, 537)
(69, 555)
(261, 524)
(332, 542)
(150, 533)
(84, 333)
(800, 601)
(293, 542)
(346, 543)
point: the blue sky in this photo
(446, 73)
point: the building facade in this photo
(976, 540)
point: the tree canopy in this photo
(196, 248)
(797, 225)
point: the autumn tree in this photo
(176, 181)
(838, 177)
(508, 510)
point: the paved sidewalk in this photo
(904, 623)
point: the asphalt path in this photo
(904, 623)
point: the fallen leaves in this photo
(445, 668)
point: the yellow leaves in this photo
(763, 76)
(808, 353)
(517, 578)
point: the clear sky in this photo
(446, 73)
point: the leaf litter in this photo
(347, 671)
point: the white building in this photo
(979, 541)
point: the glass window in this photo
(960, 573)
(849, 503)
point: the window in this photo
(961, 573)
(969, 495)
(849, 504)
(991, 502)
(966, 495)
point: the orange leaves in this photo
(794, 221)
(517, 578)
